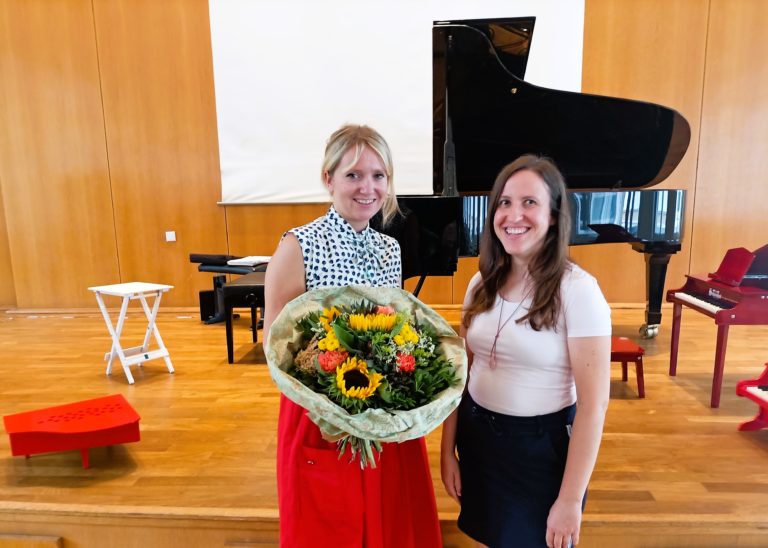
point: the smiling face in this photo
(523, 216)
(358, 189)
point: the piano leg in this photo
(717, 378)
(228, 325)
(655, 275)
(677, 311)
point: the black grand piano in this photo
(485, 116)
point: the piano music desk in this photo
(742, 305)
(752, 389)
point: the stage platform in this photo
(671, 472)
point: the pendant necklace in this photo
(500, 326)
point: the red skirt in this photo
(327, 501)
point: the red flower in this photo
(385, 310)
(406, 362)
(330, 360)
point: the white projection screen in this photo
(289, 72)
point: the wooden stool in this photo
(623, 350)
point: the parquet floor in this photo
(667, 463)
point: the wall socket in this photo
(170, 236)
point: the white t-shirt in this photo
(533, 372)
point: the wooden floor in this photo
(671, 471)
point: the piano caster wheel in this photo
(649, 331)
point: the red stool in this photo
(623, 350)
(81, 425)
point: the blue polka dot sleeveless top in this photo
(335, 255)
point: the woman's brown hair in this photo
(547, 267)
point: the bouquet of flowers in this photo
(370, 365)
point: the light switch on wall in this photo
(170, 236)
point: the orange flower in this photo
(405, 362)
(329, 361)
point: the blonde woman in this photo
(324, 500)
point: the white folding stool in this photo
(137, 354)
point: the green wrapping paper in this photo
(377, 425)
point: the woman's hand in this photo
(563, 524)
(449, 470)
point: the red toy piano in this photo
(736, 294)
(91, 423)
(757, 391)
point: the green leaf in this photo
(346, 338)
(383, 391)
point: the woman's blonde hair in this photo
(356, 136)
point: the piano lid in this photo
(485, 116)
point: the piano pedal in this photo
(649, 331)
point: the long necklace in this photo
(500, 326)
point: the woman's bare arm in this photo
(284, 280)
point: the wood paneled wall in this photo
(732, 177)
(160, 120)
(7, 290)
(108, 140)
(53, 159)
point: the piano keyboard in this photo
(710, 304)
(756, 391)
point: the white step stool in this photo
(137, 354)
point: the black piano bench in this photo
(211, 301)
(246, 292)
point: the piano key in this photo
(757, 392)
(704, 302)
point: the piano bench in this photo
(624, 350)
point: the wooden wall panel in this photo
(467, 268)
(160, 114)
(53, 162)
(732, 183)
(653, 51)
(7, 289)
(436, 289)
(257, 229)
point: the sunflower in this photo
(372, 322)
(354, 380)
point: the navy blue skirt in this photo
(511, 471)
